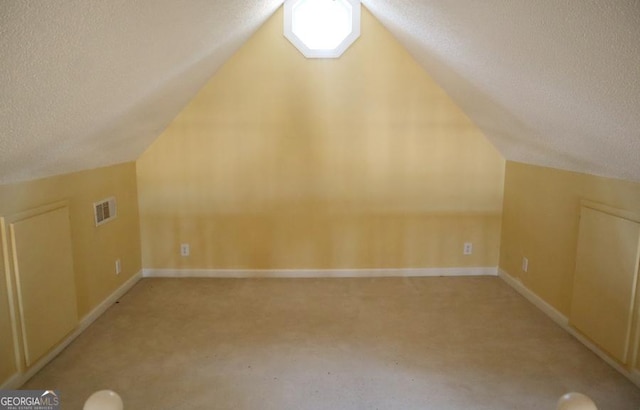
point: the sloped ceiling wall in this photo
(91, 83)
(85, 84)
(552, 83)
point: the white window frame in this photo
(336, 52)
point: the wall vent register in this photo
(105, 210)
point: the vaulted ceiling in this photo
(85, 84)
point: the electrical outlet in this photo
(118, 266)
(525, 264)
(468, 248)
(185, 249)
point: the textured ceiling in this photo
(550, 82)
(85, 84)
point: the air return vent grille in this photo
(105, 210)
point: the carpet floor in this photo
(366, 343)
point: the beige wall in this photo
(540, 221)
(95, 249)
(284, 162)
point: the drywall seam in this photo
(317, 273)
(18, 379)
(563, 322)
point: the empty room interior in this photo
(321, 204)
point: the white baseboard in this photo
(317, 273)
(17, 380)
(106, 304)
(563, 322)
(12, 383)
(540, 303)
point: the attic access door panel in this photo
(43, 267)
(605, 279)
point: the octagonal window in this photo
(322, 28)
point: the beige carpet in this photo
(380, 343)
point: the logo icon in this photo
(29, 400)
